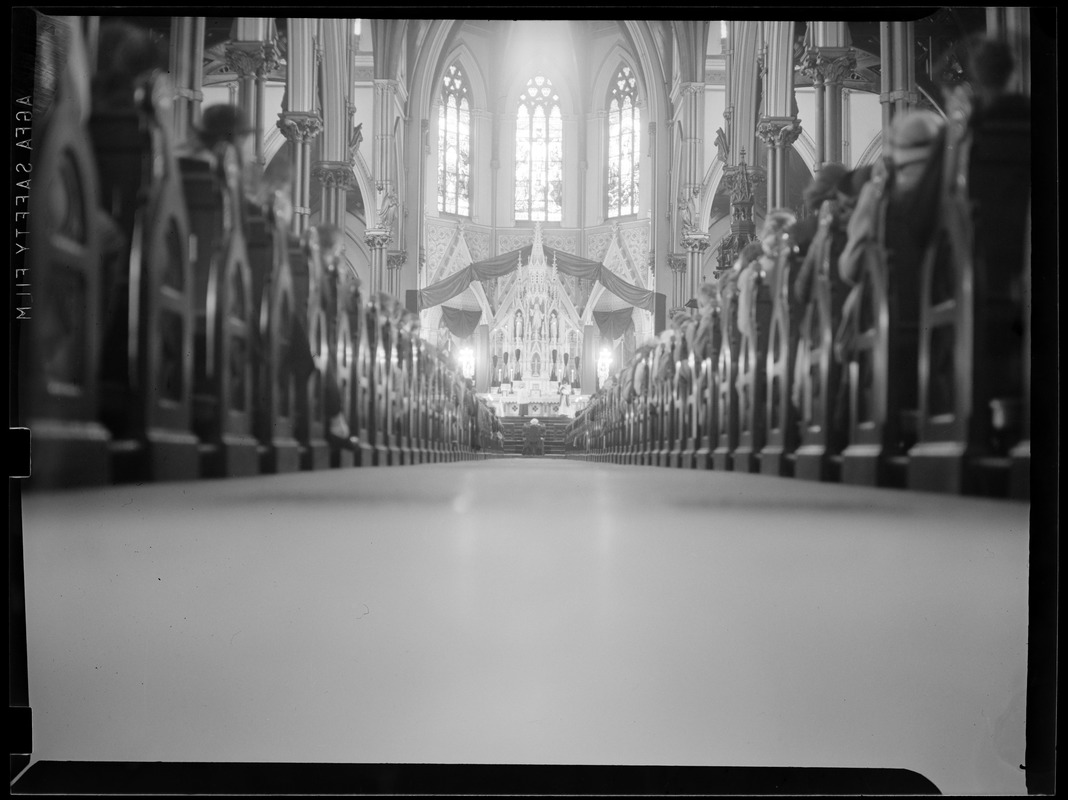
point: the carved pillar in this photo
(778, 133)
(335, 178)
(300, 128)
(741, 184)
(395, 259)
(829, 67)
(897, 49)
(252, 60)
(695, 245)
(677, 264)
(377, 240)
(187, 56)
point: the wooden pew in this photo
(273, 295)
(971, 374)
(147, 375)
(343, 355)
(362, 420)
(882, 367)
(58, 312)
(707, 421)
(378, 327)
(391, 389)
(818, 455)
(726, 410)
(691, 434)
(418, 406)
(751, 382)
(780, 435)
(679, 401)
(305, 260)
(402, 397)
(226, 320)
(665, 405)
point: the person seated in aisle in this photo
(130, 73)
(774, 237)
(902, 175)
(702, 334)
(823, 186)
(533, 439)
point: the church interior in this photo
(533, 405)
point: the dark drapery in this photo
(613, 324)
(501, 265)
(460, 323)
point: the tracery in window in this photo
(624, 151)
(539, 153)
(454, 143)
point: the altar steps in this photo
(513, 428)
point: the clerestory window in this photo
(624, 151)
(539, 153)
(454, 143)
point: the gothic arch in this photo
(616, 57)
(472, 69)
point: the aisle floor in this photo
(530, 611)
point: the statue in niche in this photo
(554, 329)
(722, 148)
(535, 366)
(536, 329)
(387, 215)
(518, 324)
(688, 206)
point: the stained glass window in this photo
(454, 143)
(624, 151)
(539, 153)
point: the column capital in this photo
(334, 174)
(778, 131)
(300, 126)
(695, 242)
(252, 59)
(677, 263)
(829, 64)
(395, 259)
(377, 239)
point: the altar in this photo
(533, 398)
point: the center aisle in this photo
(531, 611)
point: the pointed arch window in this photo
(624, 145)
(539, 153)
(454, 143)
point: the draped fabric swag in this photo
(501, 265)
(613, 324)
(461, 323)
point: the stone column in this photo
(778, 133)
(395, 259)
(677, 264)
(695, 245)
(741, 185)
(187, 56)
(335, 178)
(300, 128)
(377, 240)
(897, 48)
(828, 67)
(252, 60)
